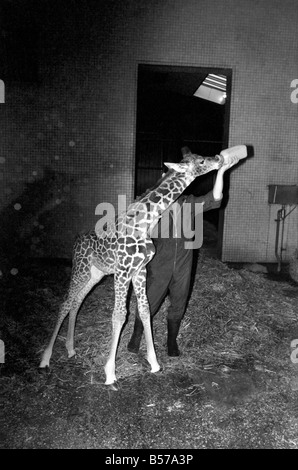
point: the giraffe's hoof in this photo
(112, 387)
(45, 364)
(155, 369)
(71, 353)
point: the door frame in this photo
(228, 72)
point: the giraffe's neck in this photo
(158, 199)
(169, 189)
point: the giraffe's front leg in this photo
(109, 368)
(117, 323)
(139, 283)
(118, 319)
(151, 356)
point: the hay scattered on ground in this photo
(235, 318)
(237, 322)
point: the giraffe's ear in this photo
(185, 151)
(179, 167)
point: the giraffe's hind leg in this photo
(63, 312)
(139, 285)
(77, 292)
(96, 276)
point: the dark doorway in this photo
(170, 116)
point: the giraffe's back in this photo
(111, 252)
(100, 251)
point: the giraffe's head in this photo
(194, 165)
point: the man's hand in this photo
(232, 156)
(229, 161)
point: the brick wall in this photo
(68, 141)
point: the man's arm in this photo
(212, 200)
(218, 185)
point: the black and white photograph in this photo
(149, 227)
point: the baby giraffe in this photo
(123, 247)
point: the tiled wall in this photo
(79, 122)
